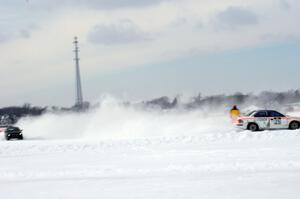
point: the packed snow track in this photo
(136, 154)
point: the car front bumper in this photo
(14, 135)
(241, 126)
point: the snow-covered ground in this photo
(118, 152)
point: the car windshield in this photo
(13, 129)
(250, 113)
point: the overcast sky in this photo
(140, 49)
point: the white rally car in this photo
(267, 119)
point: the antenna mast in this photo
(79, 98)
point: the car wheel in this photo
(294, 125)
(21, 137)
(253, 127)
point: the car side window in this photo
(261, 114)
(274, 114)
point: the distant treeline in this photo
(267, 99)
(10, 115)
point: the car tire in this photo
(294, 125)
(21, 137)
(7, 138)
(253, 127)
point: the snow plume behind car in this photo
(114, 120)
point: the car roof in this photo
(12, 127)
(265, 110)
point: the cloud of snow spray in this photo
(113, 120)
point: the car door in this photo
(277, 120)
(261, 118)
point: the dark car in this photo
(12, 132)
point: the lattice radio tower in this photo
(79, 98)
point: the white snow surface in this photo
(118, 152)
